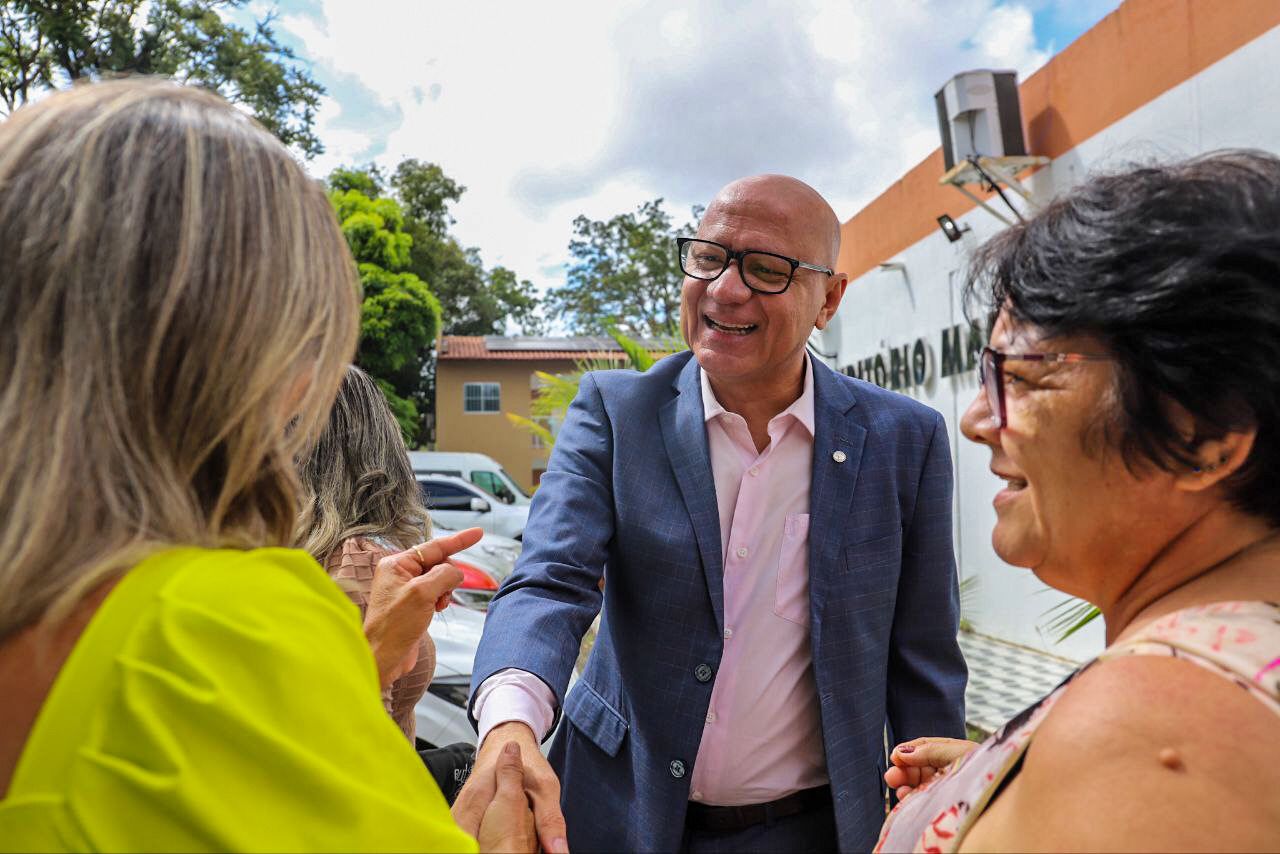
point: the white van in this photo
(480, 469)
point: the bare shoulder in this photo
(1145, 753)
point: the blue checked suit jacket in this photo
(629, 488)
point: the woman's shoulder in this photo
(1134, 749)
(209, 605)
(1183, 676)
(243, 682)
(260, 585)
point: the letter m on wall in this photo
(953, 341)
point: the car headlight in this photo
(455, 690)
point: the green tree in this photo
(624, 274)
(400, 226)
(52, 43)
(400, 317)
(426, 192)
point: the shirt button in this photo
(677, 768)
(742, 551)
(754, 471)
(728, 633)
(711, 717)
(697, 796)
(702, 673)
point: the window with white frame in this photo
(481, 397)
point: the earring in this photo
(1210, 466)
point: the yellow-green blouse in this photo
(226, 701)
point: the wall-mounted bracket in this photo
(992, 173)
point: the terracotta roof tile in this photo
(520, 348)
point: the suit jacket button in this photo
(677, 768)
(702, 673)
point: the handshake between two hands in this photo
(511, 801)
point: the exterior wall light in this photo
(949, 228)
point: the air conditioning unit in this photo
(979, 116)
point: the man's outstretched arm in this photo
(537, 620)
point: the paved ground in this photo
(1004, 678)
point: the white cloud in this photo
(342, 145)
(544, 111)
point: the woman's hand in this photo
(408, 588)
(506, 822)
(916, 763)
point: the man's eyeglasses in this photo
(991, 375)
(762, 272)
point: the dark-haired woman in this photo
(1131, 401)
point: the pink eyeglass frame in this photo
(995, 390)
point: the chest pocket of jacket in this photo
(595, 718)
(791, 598)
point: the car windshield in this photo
(511, 482)
(494, 485)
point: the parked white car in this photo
(494, 555)
(456, 503)
(441, 714)
(480, 469)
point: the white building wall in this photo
(1232, 103)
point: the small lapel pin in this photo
(839, 456)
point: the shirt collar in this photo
(801, 408)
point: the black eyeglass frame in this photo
(730, 257)
(997, 406)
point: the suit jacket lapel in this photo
(837, 459)
(684, 432)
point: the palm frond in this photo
(640, 358)
(533, 427)
(1068, 617)
(555, 394)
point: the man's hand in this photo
(507, 823)
(540, 784)
(917, 762)
(408, 588)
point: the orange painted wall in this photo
(1136, 53)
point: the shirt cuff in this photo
(514, 695)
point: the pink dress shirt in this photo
(763, 736)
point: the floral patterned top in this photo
(1239, 641)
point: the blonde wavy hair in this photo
(178, 306)
(357, 480)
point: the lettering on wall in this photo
(909, 366)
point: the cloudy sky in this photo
(546, 110)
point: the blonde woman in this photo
(179, 308)
(361, 503)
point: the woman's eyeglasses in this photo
(991, 374)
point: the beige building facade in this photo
(480, 378)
